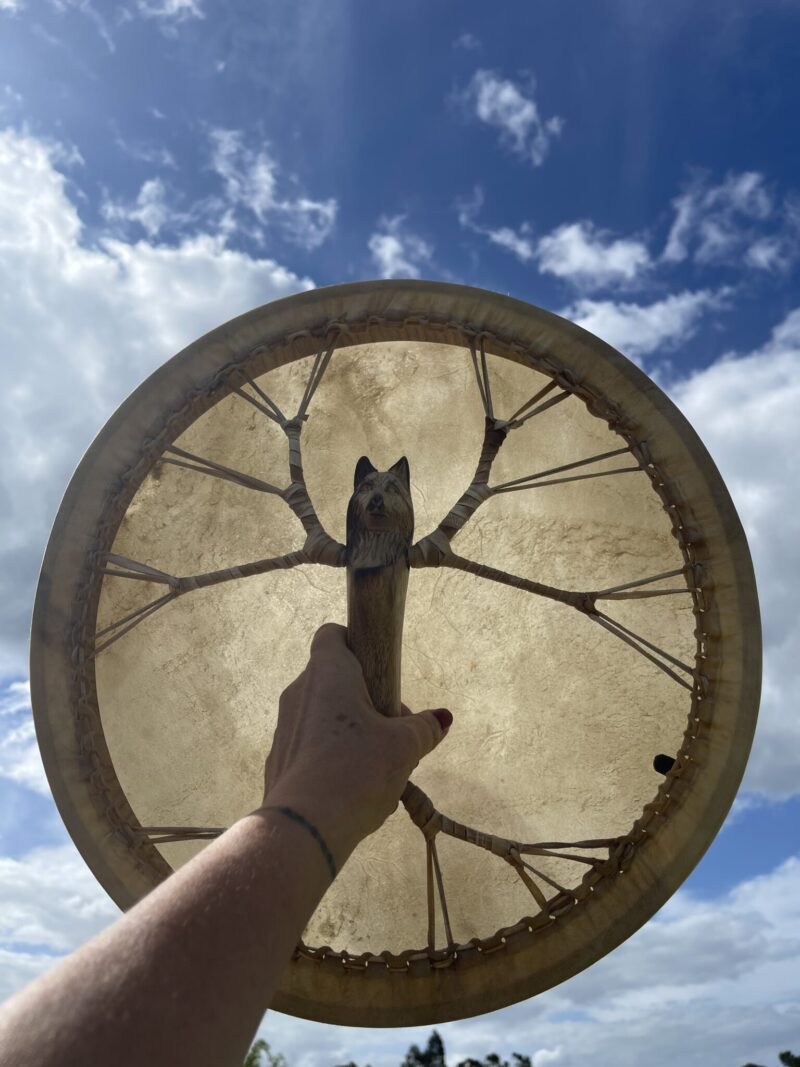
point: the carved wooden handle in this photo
(376, 600)
(380, 526)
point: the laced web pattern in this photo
(602, 858)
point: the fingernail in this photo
(444, 718)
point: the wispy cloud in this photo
(10, 99)
(740, 220)
(250, 180)
(88, 9)
(171, 11)
(50, 904)
(740, 224)
(20, 761)
(158, 155)
(397, 251)
(253, 186)
(250, 177)
(468, 41)
(578, 252)
(15, 697)
(511, 108)
(150, 209)
(518, 241)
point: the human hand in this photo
(334, 759)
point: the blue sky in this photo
(167, 164)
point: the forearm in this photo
(186, 975)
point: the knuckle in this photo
(329, 634)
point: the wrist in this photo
(319, 819)
(306, 824)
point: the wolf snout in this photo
(375, 502)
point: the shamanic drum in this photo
(580, 595)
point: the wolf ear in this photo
(400, 470)
(363, 468)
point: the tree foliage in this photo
(788, 1059)
(433, 1055)
(261, 1055)
(493, 1060)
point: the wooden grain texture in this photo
(380, 526)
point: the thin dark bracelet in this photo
(290, 813)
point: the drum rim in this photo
(321, 988)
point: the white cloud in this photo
(708, 214)
(251, 181)
(504, 105)
(50, 904)
(10, 5)
(766, 253)
(15, 697)
(578, 252)
(518, 242)
(736, 223)
(250, 177)
(150, 209)
(170, 10)
(725, 224)
(745, 408)
(80, 325)
(397, 252)
(547, 1055)
(581, 253)
(308, 222)
(638, 330)
(713, 225)
(20, 761)
(724, 966)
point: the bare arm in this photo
(186, 975)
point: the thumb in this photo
(428, 727)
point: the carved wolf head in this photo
(380, 516)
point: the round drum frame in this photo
(644, 867)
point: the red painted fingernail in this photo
(444, 719)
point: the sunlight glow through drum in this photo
(595, 611)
